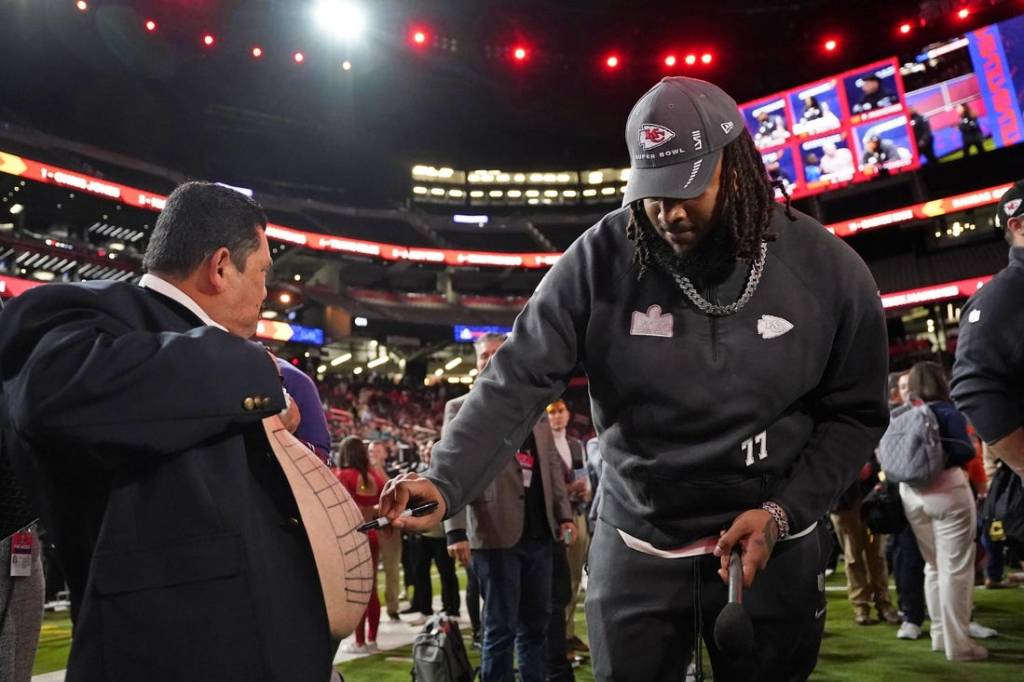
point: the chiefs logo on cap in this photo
(652, 136)
(1011, 206)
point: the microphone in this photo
(734, 633)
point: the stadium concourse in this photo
(420, 169)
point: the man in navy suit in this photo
(135, 414)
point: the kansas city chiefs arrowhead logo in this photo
(652, 136)
(771, 327)
(1012, 206)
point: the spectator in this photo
(577, 484)
(867, 580)
(389, 540)
(364, 484)
(943, 517)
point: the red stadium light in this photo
(150, 25)
(257, 52)
(906, 28)
(209, 40)
(670, 60)
(520, 53)
(691, 59)
(612, 61)
(831, 45)
(418, 37)
(299, 57)
(963, 13)
(706, 58)
(82, 6)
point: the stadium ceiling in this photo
(213, 109)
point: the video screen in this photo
(816, 108)
(872, 92)
(781, 167)
(827, 161)
(768, 122)
(885, 146)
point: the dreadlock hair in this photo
(745, 204)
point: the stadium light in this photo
(82, 6)
(520, 53)
(706, 58)
(209, 40)
(612, 61)
(831, 44)
(905, 28)
(691, 59)
(418, 37)
(257, 52)
(341, 359)
(299, 57)
(963, 13)
(285, 298)
(150, 25)
(670, 60)
(343, 20)
(346, 65)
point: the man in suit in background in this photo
(135, 413)
(510, 530)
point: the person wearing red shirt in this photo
(364, 484)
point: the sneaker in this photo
(909, 631)
(887, 613)
(353, 648)
(975, 653)
(938, 644)
(863, 617)
(371, 648)
(978, 631)
(417, 620)
(996, 584)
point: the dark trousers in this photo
(435, 550)
(908, 571)
(410, 548)
(559, 668)
(516, 586)
(640, 612)
(473, 598)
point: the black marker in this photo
(382, 521)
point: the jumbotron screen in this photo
(847, 128)
(954, 99)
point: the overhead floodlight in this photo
(16, 209)
(342, 19)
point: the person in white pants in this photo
(943, 518)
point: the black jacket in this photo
(988, 376)
(167, 507)
(699, 418)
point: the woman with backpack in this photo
(943, 517)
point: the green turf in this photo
(989, 145)
(849, 652)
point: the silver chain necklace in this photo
(706, 306)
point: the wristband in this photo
(779, 514)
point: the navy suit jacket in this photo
(139, 428)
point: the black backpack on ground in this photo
(439, 654)
(1003, 512)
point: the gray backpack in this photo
(438, 653)
(911, 449)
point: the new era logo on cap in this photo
(652, 135)
(727, 127)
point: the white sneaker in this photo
(353, 648)
(978, 631)
(417, 620)
(371, 648)
(909, 631)
(938, 644)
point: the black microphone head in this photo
(734, 633)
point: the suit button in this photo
(248, 404)
(291, 522)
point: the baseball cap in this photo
(1011, 204)
(675, 135)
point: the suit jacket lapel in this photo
(187, 316)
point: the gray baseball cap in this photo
(675, 135)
